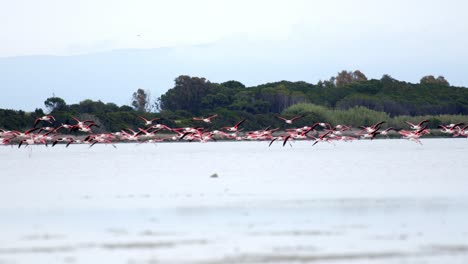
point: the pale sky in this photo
(65, 27)
(252, 41)
(62, 27)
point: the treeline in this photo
(348, 98)
(432, 96)
(108, 116)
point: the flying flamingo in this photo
(161, 126)
(69, 140)
(66, 126)
(235, 127)
(322, 138)
(324, 125)
(462, 132)
(386, 131)
(46, 118)
(95, 140)
(5, 141)
(48, 129)
(22, 135)
(370, 129)
(205, 119)
(6, 133)
(81, 124)
(134, 137)
(27, 141)
(289, 121)
(34, 140)
(86, 129)
(417, 126)
(454, 125)
(450, 129)
(148, 122)
(295, 135)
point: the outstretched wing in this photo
(280, 117)
(297, 117)
(240, 122)
(144, 119)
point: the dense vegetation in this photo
(348, 98)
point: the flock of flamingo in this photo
(317, 132)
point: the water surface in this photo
(381, 201)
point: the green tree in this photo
(187, 94)
(55, 104)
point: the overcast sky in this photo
(62, 27)
(406, 39)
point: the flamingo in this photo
(462, 132)
(27, 141)
(370, 135)
(66, 126)
(236, 126)
(289, 121)
(295, 135)
(370, 129)
(205, 119)
(69, 140)
(48, 129)
(26, 134)
(46, 118)
(95, 140)
(386, 131)
(87, 128)
(148, 134)
(161, 126)
(414, 135)
(6, 133)
(324, 125)
(449, 129)
(454, 125)
(322, 138)
(134, 137)
(149, 122)
(418, 126)
(33, 140)
(189, 136)
(81, 124)
(5, 141)
(342, 127)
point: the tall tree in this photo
(140, 100)
(55, 104)
(187, 94)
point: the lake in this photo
(380, 201)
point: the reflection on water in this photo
(386, 201)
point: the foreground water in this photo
(385, 201)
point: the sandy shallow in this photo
(385, 201)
